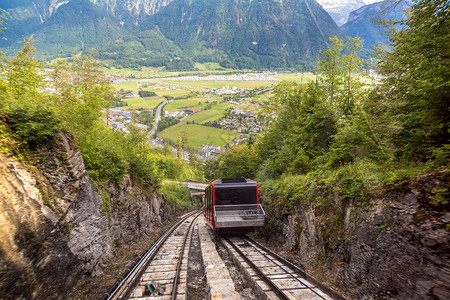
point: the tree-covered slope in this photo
(147, 48)
(261, 33)
(70, 27)
(242, 34)
(77, 25)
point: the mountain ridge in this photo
(241, 34)
(361, 21)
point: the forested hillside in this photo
(259, 34)
(248, 34)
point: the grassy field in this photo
(198, 135)
(179, 92)
(143, 72)
(127, 86)
(210, 115)
(191, 103)
(262, 97)
(303, 77)
(136, 103)
(247, 107)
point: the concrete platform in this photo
(218, 278)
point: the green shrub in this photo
(144, 94)
(33, 123)
(177, 194)
(103, 153)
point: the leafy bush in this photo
(103, 153)
(176, 193)
(33, 123)
(146, 94)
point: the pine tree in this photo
(416, 68)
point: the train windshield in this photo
(234, 196)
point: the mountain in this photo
(59, 27)
(339, 10)
(360, 22)
(248, 33)
(242, 34)
(131, 12)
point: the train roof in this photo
(233, 182)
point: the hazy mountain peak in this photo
(339, 10)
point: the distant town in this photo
(241, 116)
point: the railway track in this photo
(271, 276)
(162, 270)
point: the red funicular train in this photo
(232, 205)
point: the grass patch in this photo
(127, 86)
(179, 92)
(210, 115)
(262, 97)
(153, 102)
(191, 103)
(136, 103)
(302, 77)
(199, 135)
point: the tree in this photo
(82, 92)
(336, 72)
(22, 74)
(329, 68)
(416, 68)
(352, 64)
(302, 130)
(238, 161)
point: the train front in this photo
(232, 205)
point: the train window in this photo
(234, 196)
(210, 198)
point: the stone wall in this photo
(53, 225)
(393, 246)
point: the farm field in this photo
(136, 103)
(198, 135)
(177, 92)
(197, 103)
(263, 97)
(303, 77)
(159, 72)
(129, 85)
(216, 112)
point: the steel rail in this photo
(123, 286)
(327, 290)
(270, 255)
(180, 260)
(263, 276)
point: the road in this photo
(157, 117)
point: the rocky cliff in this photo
(55, 227)
(393, 246)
